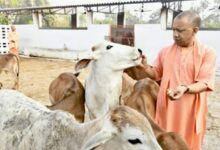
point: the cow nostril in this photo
(140, 51)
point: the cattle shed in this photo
(75, 42)
(90, 7)
(4, 29)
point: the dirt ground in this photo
(37, 73)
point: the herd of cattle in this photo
(120, 99)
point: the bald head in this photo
(192, 18)
(13, 28)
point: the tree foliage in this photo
(4, 19)
(22, 3)
(209, 14)
(19, 19)
(108, 19)
(132, 19)
(57, 21)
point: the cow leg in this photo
(16, 83)
(1, 85)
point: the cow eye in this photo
(109, 47)
(134, 141)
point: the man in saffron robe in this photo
(13, 40)
(187, 71)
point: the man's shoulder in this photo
(206, 48)
(166, 48)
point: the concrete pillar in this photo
(89, 15)
(163, 18)
(121, 19)
(74, 21)
(40, 16)
(37, 19)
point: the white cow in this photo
(104, 82)
(28, 125)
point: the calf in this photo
(127, 87)
(167, 140)
(67, 93)
(138, 73)
(26, 124)
(104, 82)
(144, 96)
(143, 99)
(10, 63)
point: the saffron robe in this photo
(176, 66)
(13, 42)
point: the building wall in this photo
(150, 38)
(51, 42)
(4, 47)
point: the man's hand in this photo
(177, 93)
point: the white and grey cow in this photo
(28, 125)
(103, 85)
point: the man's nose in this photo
(175, 33)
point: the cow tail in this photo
(18, 63)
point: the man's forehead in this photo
(181, 22)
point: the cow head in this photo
(112, 55)
(126, 130)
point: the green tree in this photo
(154, 18)
(82, 20)
(4, 19)
(19, 19)
(108, 19)
(57, 21)
(210, 17)
(132, 19)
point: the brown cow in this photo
(167, 140)
(138, 73)
(143, 99)
(10, 63)
(68, 94)
(144, 96)
(127, 87)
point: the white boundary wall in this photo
(151, 38)
(51, 43)
(59, 43)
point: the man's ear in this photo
(195, 29)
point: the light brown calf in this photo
(144, 96)
(127, 87)
(137, 73)
(10, 63)
(143, 99)
(167, 140)
(67, 93)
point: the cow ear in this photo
(136, 73)
(82, 64)
(99, 138)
